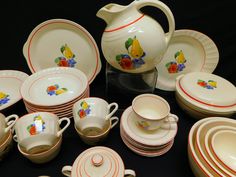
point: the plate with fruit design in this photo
(62, 43)
(11, 81)
(188, 51)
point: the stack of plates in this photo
(54, 90)
(211, 147)
(149, 144)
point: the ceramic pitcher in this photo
(133, 42)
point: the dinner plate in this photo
(188, 51)
(61, 42)
(155, 138)
(11, 81)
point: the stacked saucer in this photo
(54, 90)
(149, 143)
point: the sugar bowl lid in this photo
(207, 90)
(97, 161)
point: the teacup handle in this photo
(15, 138)
(130, 172)
(176, 119)
(113, 123)
(59, 133)
(113, 111)
(12, 122)
(66, 170)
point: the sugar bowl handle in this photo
(66, 170)
(129, 172)
(115, 105)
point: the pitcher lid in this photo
(98, 162)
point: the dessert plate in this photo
(61, 42)
(11, 82)
(188, 51)
(155, 138)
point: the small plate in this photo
(155, 138)
(11, 82)
(60, 42)
(188, 51)
(54, 86)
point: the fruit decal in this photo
(177, 65)
(55, 90)
(68, 60)
(4, 98)
(143, 124)
(85, 109)
(37, 127)
(208, 85)
(134, 57)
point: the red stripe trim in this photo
(115, 29)
(213, 105)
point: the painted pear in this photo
(180, 58)
(67, 52)
(136, 49)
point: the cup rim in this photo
(94, 136)
(41, 153)
(156, 97)
(88, 98)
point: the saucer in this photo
(153, 138)
(188, 51)
(148, 153)
(11, 82)
(61, 42)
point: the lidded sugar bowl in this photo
(98, 161)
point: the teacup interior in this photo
(93, 127)
(151, 107)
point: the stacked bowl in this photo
(211, 147)
(147, 127)
(54, 90)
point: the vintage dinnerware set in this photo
(64, 60)
(211, 147)
(147, 127)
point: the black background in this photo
(216, 19)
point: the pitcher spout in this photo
(108, 12)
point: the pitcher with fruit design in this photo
(132, 41)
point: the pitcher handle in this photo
(164, 8)
(130, 172)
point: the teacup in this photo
(93, 107)
(94, 130)
(37, 132)
(6, 123)
(152, 112)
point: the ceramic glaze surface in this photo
(133, 42)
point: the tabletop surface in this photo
(212, 19)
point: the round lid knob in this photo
(97, 160)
